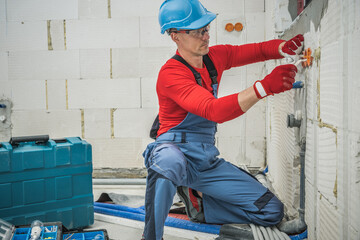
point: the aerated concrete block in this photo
(118, 152)
(102, 33)
(5, 90)
(122, 8)
(152, 59)
(133, 123)
(104, 93)
(57, 124)
(125, 62)
(25, 36)
(254, 72)
(22, 10)
(255, 6)
(97, 123)
(150, 33)
(255, 121)
(56, 33)
(255, 151)
(255, 25)
(232, 84)
(28, 95)
(93, 9)
(233, 128)
(45, 65)
(149, 98)
(2, 10)
(56, 94)
(94, 63)
(232, 149)
(4, 72)
(225, 7)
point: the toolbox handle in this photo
(38, 138)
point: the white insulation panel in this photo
(327, 164)
(329, 221)
(282, 152)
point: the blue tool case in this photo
(47, 180)
(100, 234)
(49, 231)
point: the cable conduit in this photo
(170, 221)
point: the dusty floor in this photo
(125, 229)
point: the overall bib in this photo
(186, 156)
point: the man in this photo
(184, 153)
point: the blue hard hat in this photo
(184, 14)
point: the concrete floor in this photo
(126, 229)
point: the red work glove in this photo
(279, 80)
(293, 46)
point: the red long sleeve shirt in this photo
(178, 92)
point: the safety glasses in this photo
(197, 33)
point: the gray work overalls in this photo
(186, 156)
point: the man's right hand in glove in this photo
(279, 80)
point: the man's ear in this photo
(174, 37)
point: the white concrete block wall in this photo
(56, 94)
(57, 123)
(104, 93)
(133, 123)
(97, 123)
(149, 33)
(93, 9)
(255, 26)
(123, 8)
(43, 65)
(254, 6)
(93, 65)
(2, 10)
(103, 33)
(3, 25)
(225, 7)
(34, 10)
(4, 66)
(151, 60)
(332, 112)
(118, 152)
(24, 36)
(125, 62)
(28, 95)
(149, 98)
(56, 35)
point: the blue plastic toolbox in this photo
(49, 231)
(48, 180)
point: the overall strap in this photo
(196, 74)
(211, 68)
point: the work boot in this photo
(193, 204)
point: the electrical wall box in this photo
(46, 180)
